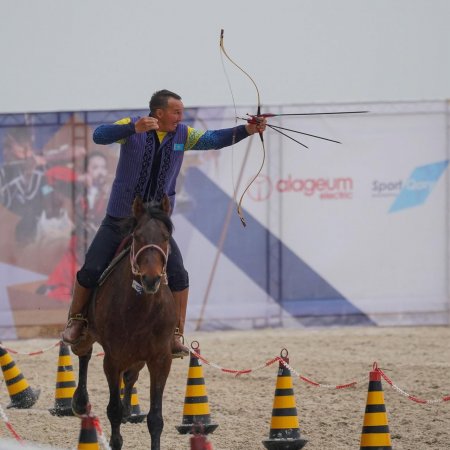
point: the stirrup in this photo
(71, 325)
(177, 333)
(78, 317)
(180, 338)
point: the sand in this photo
(416, 359)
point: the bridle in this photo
(134, 256)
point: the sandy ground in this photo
(417, 360)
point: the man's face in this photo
(170, 117)
(97, 170)
(17, 150)
(53, 204)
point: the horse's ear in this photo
(138, 207)
(165, 204)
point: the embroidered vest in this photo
(134, 168)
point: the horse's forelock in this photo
(153, 209)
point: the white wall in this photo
(110, 54)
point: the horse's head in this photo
(150, 246)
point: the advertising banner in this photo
(352, 232)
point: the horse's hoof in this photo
(81, 410)
(125, 416)
(79, 413)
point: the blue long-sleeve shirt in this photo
(137, 155)
(196, 139)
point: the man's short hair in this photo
(160, 99)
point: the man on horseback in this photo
(151, 154)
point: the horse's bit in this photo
(133, 260)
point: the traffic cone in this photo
(88, 434)
(21, 394)
(136, 414)
(65, 384)
(196, 406)
(375, 432)
(199, 440)
(284, 427)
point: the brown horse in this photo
(133, 317)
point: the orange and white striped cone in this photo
(21, 394)
(284, 426)
(88, 434)
(136, 415)
(196, 406)
(65, 383)
(375, 432)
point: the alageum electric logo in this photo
(415, 190)
(338, 188)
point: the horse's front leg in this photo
(159, 371)
(80, 399)
(114, 409)
(129, 379)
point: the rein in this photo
(135, 266)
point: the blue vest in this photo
(134, 168)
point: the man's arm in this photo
(115, 132)
(215, 139)
(123, 128)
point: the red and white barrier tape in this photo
(236, 372)
(322, 385)
(409, 396)
(9, 426)
(37, 352)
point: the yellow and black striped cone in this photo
(136, 415)
(284, 426)
(21, 394)
(375, 433)
(88, 434)
(196, 406)
(65, 383)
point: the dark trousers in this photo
(104, 246)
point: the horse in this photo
(134, 322)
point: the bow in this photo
(254, 119)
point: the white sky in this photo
(110, 54)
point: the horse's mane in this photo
(153, 210)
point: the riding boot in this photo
(178, 348)
(77, 323)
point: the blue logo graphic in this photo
(178, 147)
(419, 185)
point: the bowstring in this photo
(239, 208)
(233, 140)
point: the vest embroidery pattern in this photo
(146, 164)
